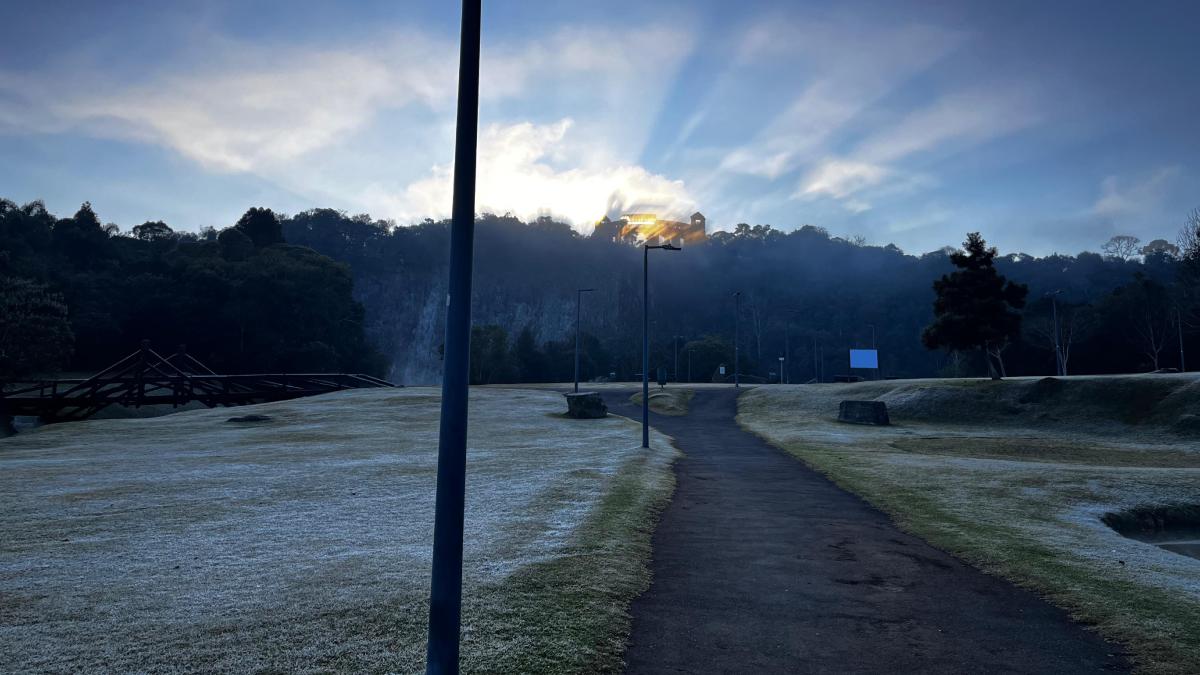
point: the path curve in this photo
(761, 564)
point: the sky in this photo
(1048, 126)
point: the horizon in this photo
(1049, 129)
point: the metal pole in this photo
(816, 368)
(445, 596)
(787, 351)
(1179, 325)
(578, 301)
(675, 346)
(689, 366)
(1058, 355)
(737, 316)
(645, 346)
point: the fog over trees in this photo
(322, 290)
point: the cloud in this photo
(530, 170)
(259, 109)
(1122, 199)
(841, 79)
(954, 122)
(839, 178)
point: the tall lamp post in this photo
(737, 320)
(675, 345)
(1179, 325)
(445, 595)
(1058, 355)
(646, 337)
(689, 366)
(578, 300)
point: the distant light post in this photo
(675, 345)
(781, 370)
(1058, 355)
(646, 337)
(1179, 325)
(689, 366)
(578, 300)
(737, 318)
(874, 349)
(445, 593)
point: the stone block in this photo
(864, 412)
(586, 405)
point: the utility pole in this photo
(445, 596)
(578, 300)
(1058, 354)
(1179, 325)
(675, 345)
(816, 362)
(689, 366)
(737, 317)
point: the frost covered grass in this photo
(1021, 493)
(303, 543)
(668, 401)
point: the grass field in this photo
(302, 544)
(1015, 477)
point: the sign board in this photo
(864, 358)
(722, 368)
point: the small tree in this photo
(976, 306)
(1121, 247)
(261, 226)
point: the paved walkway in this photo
(763, 565)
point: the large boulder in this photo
(586, 405)
(864, 412)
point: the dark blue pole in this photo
(445, 597)
(645, 346)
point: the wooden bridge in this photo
(147, 378)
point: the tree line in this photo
(325, 290)
(77, 295)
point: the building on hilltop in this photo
(648, 227)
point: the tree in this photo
(975, 306)
(35, 336)
(1160, 247)
(1143, 308)
(153, 231)
(1121, 247)
(261, 226)
(235, 245)
(530, 362)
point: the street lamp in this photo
(1058, 355)
(689, 366)
(675, 345)
(737, 317)
(781, 370)
(578, 299)
(445, 593)
(646, 337)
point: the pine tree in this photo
(975, 306)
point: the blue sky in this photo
(1049, 126)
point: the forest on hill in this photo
(323, 290)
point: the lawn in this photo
(1015, 477)
(302, 543)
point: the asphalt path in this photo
(762, 565)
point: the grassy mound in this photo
(1152, 403)
(667, 401)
